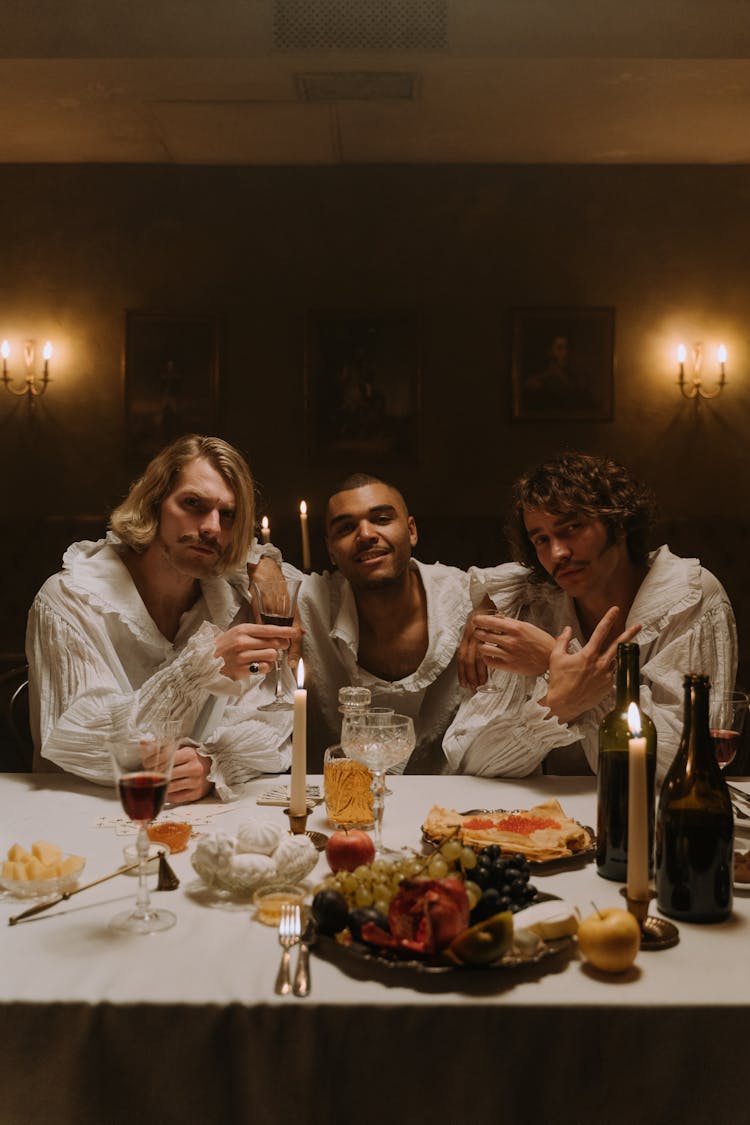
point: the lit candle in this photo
(265, 530)
(298, 786)
(637, 888)
(5, 349)
(305, 535)
(681, 357)
(722, 357)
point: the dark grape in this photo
(330, 911)
(492, 851)
(357, 919)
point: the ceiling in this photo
(324, 82)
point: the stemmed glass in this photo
(277, 603)
(478, 594)
(378, 741)
(142, 772)
(728, 711)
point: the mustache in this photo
(205, 541)
(570, 564)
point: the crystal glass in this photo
(378, 743)
(277, 604)
(727, 717)
(142, 771)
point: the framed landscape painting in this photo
(171, 373)
(562, 364)
(362, 387)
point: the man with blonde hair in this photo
(145, 626)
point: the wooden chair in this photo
(16, 748)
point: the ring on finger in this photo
(254, 668)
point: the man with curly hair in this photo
(548, 630)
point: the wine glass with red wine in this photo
(728, 711)
(142, 771)
(276, 599)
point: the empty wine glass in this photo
(142, 771)
(277, 603)
(379, 742)
(728, 711)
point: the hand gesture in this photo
(512, 645)
(243, 645)
(579, 681)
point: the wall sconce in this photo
(33, 387)
(695, 389)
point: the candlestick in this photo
(265, 530)
(305, 530)
(638, 887)
(298, 785)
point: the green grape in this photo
(451, 850)
(348, 882)
(383, 905)
(380, 866)
(412, 867)
(473, 893)
(468, 859)
(363, 896)
(437, 867)
(362, 873)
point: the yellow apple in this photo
(610, 939)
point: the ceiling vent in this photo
(356, 87)
(360, 25)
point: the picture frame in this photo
(363, 387)
(171, 380)
(562, 364)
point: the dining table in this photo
(185, 1025)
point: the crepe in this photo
(541, 834)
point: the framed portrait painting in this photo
(171, 374)
(362, 386)
(562, 364)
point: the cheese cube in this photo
(71, 864)
(34, 869)
(17, 853)
(46, 853)
(14, 870)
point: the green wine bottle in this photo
(694, 827)
(612, 771)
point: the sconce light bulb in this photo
(722, 353)
(5, 349)
(681, 353)
(47, 352)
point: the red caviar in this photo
(520, 825)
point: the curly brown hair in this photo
(136, 519)
(597, 487)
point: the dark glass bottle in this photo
(694, 827)
(613, 773)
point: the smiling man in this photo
(586, 582)
(382, 620)
(145, 626)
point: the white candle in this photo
(298, 786)
(265, 530)
(637, 811)
(305, 535)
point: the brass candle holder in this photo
(656, 933)
(298, 827)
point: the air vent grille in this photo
(360, 25)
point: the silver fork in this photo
(289, 931)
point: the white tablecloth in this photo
(185, 1026)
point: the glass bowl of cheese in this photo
(41, 871)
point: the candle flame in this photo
(301, 673)
(47, 352)
(681, 353)
(634, 719)
(303, 507)
(264, 523)
(5, 349)
(722, 353)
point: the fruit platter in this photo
(458, 908)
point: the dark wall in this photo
(261, 247)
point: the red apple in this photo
(348, 849)
(610, 939)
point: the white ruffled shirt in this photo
(430, 695)
(99, 668)
(687, 626)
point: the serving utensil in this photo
(167, 881)
(289, 931)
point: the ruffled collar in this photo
(96, 571)
(444, 628)
(672, 585)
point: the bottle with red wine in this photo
(613, 770)
(694, 827)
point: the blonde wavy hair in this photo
(136, 519)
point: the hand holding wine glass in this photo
(142, 771)
(277, 603)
